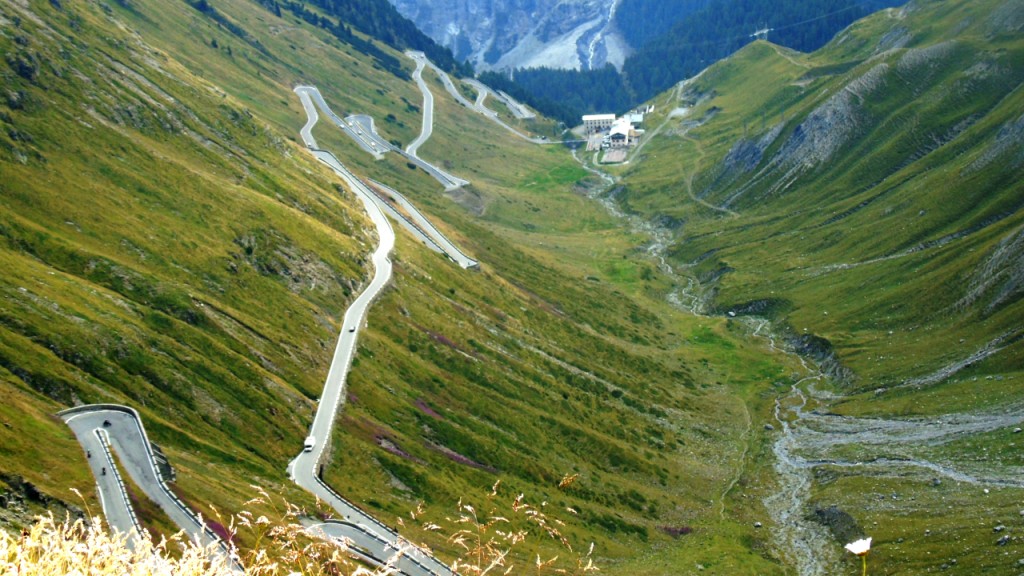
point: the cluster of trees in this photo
(640, 21)
(564, 100)
(377, 19)
(704, 31)
(724, 26)
(343, 32)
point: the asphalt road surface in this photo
(365, 132)
(361, 128)
(355, 127)
(116, 508)
(119, 428)
(428, 107)
(405, 557)
(426, 227)
(450, 182)
(304, 468)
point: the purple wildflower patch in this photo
(459, 458)
(426, 409)
(219, 529)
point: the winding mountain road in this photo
(416, 222)
(375, 146)
(303, 470)
(407, 558)
(362, 129)
(102, 427)
(104, 430)
(482, 93)
(422, 225)
(428, 108)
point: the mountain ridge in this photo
(557, 33)
(692, 38)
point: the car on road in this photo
(310, 442)
(352, 329)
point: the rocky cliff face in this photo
(497, 34)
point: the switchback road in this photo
(426, 227)
(416, 222)
(428, 108)
(361, 128)
(102, 427)
(304, 468)
(483, 92)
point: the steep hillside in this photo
(889, 154)
(166, 244)
(375, 18)
(723, 26)
(867, 199)
(641, 21)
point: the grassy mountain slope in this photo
(867, 197)
(878, 184)
(166, 244)
(162, 243)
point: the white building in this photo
(621, 133)
(594, 123)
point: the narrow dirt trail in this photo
(748, 427)
(789, 57)
(698, 163)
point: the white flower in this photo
(860, 547)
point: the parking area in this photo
(614, 156)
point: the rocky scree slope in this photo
(522, 33)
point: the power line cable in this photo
(740, 37)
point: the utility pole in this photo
(762, 34)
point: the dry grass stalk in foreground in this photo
(50, 548)
(283, 547)
(275, 547)
(488, 540)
